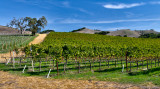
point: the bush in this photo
(47, 31)
(102, 32)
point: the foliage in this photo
(47, 31)
(150, 35)
(36, 25)
(10, 42)
(125, 36)
(102, 32)
(79, 29)
(20, 24)
(92, 45)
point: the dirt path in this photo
(9, 81)
(37, 40)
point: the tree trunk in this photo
(85, 62)
(53, 64)
(20, 61)
(147, 64)
(115, 64)
(64, 68)
(130, 65)
(78, 67)
(93, 63)
(158, 61)
(33, 33)
(57, 67)
(137, 65)
(142, 64)
(32, 65)
(126, 63)
(117, 60)
(121, 62)
(40, 64)
(108, 63)
(46, 61)
(100, 64)
(90, 65)
(155, 62)
(66, 60)
(151, 63)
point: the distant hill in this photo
(122, 32)
(141, 32)
(8, 30)
(11, 31)
(85, 30)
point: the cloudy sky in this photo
(67, 15)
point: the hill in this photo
(8, 31)
(86, 30)
(11, 31)
(141, 32)
(124, 32)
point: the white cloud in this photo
(111, 21)
(122, 5)
(154, 2)
(66, 4)
(85, 11)
(69, 20)
(131, 20)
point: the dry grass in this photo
(9, 81)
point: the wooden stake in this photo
(48, 73)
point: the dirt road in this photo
(37, 40)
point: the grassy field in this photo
(105, 73)
(9, 42)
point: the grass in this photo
(113, 74)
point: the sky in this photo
(68, 15)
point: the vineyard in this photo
(10, 42)
(90, 56)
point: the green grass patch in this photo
(113, 74)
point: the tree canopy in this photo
(31, 24)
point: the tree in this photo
(47, 31)
(36, 25)
(102, 32)
(19, 24)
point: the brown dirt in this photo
(9, 81)
(37, 40)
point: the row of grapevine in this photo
(67, 46)
(10, 42)
(87, 45)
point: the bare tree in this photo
(19, 24)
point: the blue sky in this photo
(67, 15)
